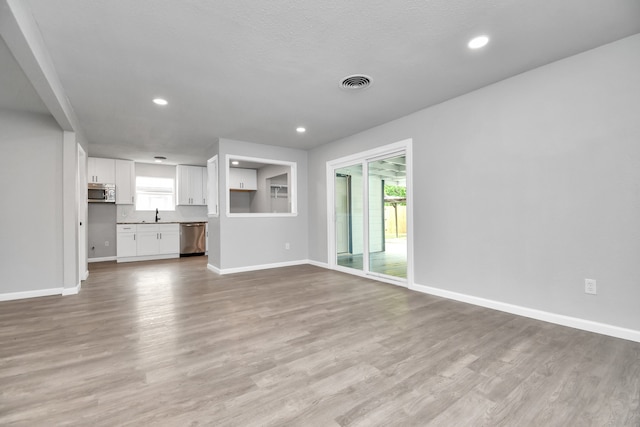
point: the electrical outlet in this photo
(106, 243)
(287, 246)
(590, 286)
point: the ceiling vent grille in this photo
(355, 81)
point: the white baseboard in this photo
(102, 259)
(31, 294)
(85, 276)
(256, 267)
(559, 319)
(318, 263)
(72, 291)
(213, 268)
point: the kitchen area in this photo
(145, 211)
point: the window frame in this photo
(293, 187)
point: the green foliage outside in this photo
(395, 191)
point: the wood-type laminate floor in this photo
(170, 343)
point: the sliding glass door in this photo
(388, 216)
(348, 213)
(370, 211)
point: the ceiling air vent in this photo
(356, 81)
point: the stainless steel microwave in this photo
(101, 193)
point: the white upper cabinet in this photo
(243, 179)
(125, 182)
(191, 185)
(101, 171)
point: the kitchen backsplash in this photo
(127, 213)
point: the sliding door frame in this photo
(401, 147)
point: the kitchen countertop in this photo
(163, 222)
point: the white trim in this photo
(293, 188)
(318, 264)
(72, 291)
(373, 276)
(256, 267)
(558, 319)
(146, 257)
(101, 259)
(213, 268)
(405, 146)
(261, 215)
(70, 215)
(371, 154)
(83, 214)
(213, 188)
(31, 294)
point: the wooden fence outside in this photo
(390, 221)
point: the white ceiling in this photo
(255, 70)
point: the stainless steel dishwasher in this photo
(192, 238)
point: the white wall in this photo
(255, 241)
(31, 253)
(525, 188)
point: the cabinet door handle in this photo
(134, 237)
(131, 199)
(160, 236)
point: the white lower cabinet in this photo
(148, 237)
(169, 242)
(138, 242)
(126, 241)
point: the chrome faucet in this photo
(157, 218)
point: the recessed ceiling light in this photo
(478, 42)
(160, 101)
(301, 130)
(159, 159)
(235, 163)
